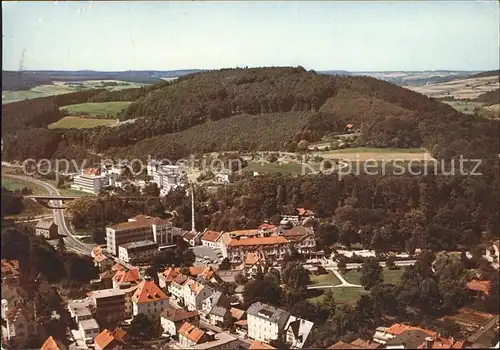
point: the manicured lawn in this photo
(68, 191)
(342, 295)
(80, 123)
(15, 184)
(328, 279)
(102, 109)
(390, 276)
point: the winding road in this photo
(72, 243)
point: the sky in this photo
(337, 35)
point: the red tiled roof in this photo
(211, 236)
(444, 343)
(171, 273)
(258, 241)
(257, 344)
(267, 227)
(191, 332)
(398, 328)
(92, 171)
(175, 314)
(303, 211)
(238, 233)
(50, 344)
(107, 339)
(118, 267)
(100, 257)
(479, 286)
(252, 258)
(237, 313)
(123, 276)
(148, 292)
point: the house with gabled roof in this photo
(266, 322)
(53, 344)
(216, 310)
(194, 292)
(126, 278)
(47, 228)
(149, 299)
(170, 274)
(190, 335)
(173, 317)
(107, 339)
(273, 247)
(20, 324)
(211, 238)
(296, 332)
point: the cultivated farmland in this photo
(80, 123)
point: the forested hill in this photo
(262, 109)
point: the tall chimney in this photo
(192, 209)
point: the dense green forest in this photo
(173, 118)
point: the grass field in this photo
(327, 279)
(15, 184)
(101, 109)
(342, 295)
(460, 89)
(285, 168)
(365, 153)
(61, 87)
(68, 191)
(80, 123)
(390, 276)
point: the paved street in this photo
(72, 243)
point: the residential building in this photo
(266, 322)
(129, 304)
(172, 318)
(90, 180)
(383, 334)
(296, 332)
(140, 228)
(10, 271)
(253, 261)
(479, 288)
(190, 335)
(101, 261)
(439, 342)
(126, 278)
(193, 238)
(194, 293)
(52, 344)
(212, 239)
(20, 324)
(167, 177)
(109, 304)
(137, 252)
(202, 271)
(149, 299)
(47, 229)
(107, 339)
(259, 345)
(302, 239)
(88, 329)
(176, 288)
(80, 309)
(216, 310)
(237, 314)
(219, 341)
(273, 247)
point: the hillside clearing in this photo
(102, 109)
(80, 123)
(377, 154)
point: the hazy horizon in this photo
(163, 36)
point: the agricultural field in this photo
(459, 89)
(98, 109)
(61, 87)
(81, 123)
(377, 154)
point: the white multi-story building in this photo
(149, 300)
(140, 228)
(212, 239)
(266, 322)
(140, 251)
(194, 293)
(88, 329)
(165, 176)
(90, 180)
